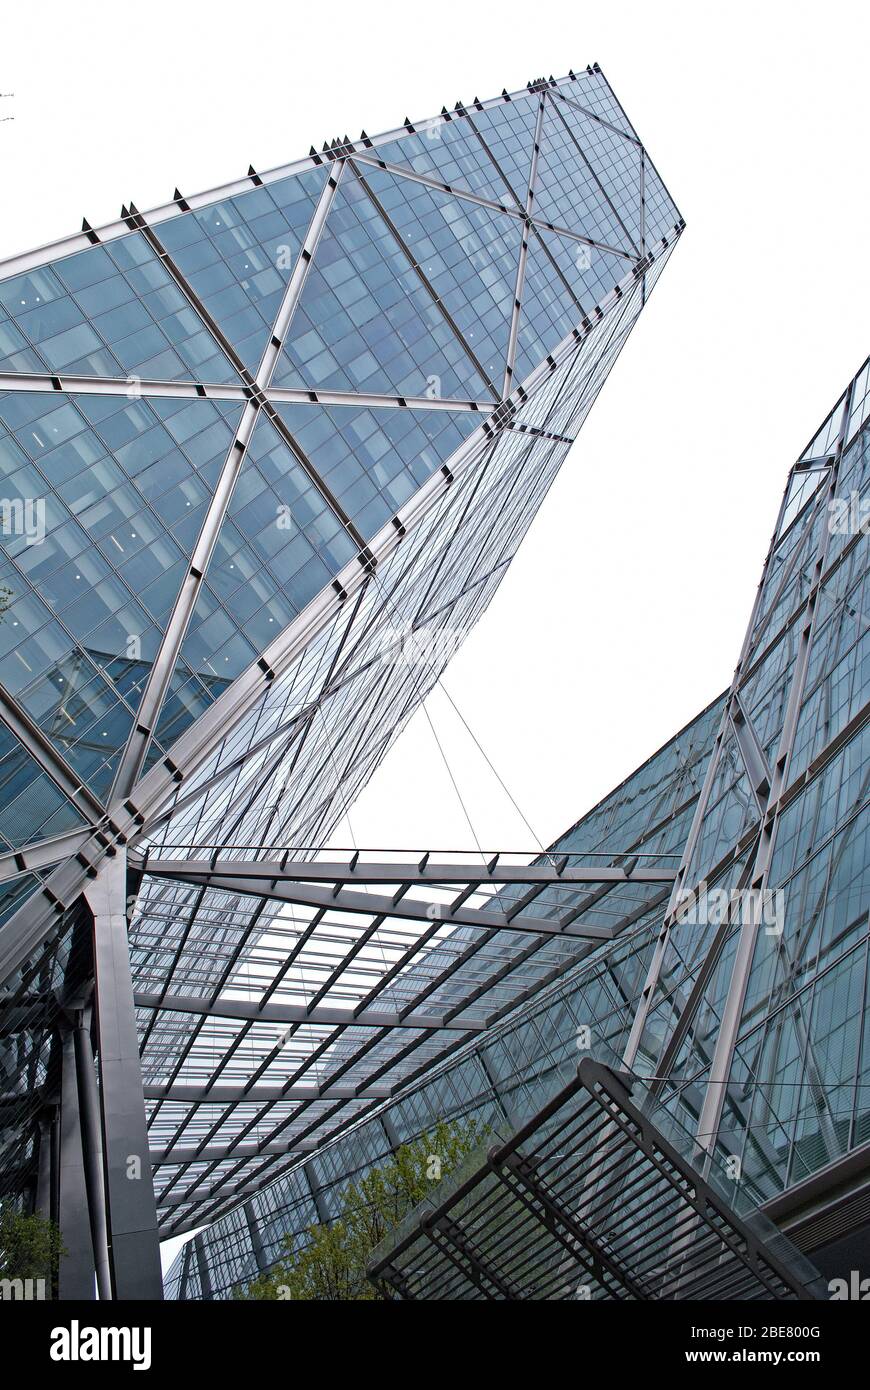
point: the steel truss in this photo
(275, 759)
(543, 1216)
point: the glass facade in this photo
(743, 1011)
(249, 442)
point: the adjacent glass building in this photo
(267, 453)
(738, 992)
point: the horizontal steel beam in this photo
(248, 1010)
(132, 387)
(260, 1094)
(288, 870)
(216, 1153)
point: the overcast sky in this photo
(624, 612)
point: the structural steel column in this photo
(76, 1270)
(43, 1203)
(92, 1151)
(134, 1248)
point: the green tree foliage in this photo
(30, 1246)
(332, 1266)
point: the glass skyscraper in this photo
(736, 996)
(268, 452)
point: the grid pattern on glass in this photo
(593, 93)
(564, 280)
(279, 545)
(451, 152)
(468, 254)
(614, 161)
(112, 311)
(311, 740)
(569, 193)
(374, 460)
(366, 322)
(508, 132)
(32, 807)
(116, 490)
(238, 255)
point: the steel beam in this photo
(243, 1009)
(132, 1216)
(75, 1279)
(92, 1151)
(182, 1093)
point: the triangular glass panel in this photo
(366, 322)
(453, 153)
(569, 192)
(549, 308)
(373, 461)
(106, 496)
(592, 92)
(279, 545)
(32, 807)
(564, 281)
(469, 256)
(616, 163)
(238, 255)
(508, 131)
(113, 310)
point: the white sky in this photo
(624, 612)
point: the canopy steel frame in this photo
(529, 1221)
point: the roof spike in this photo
(407, 122)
